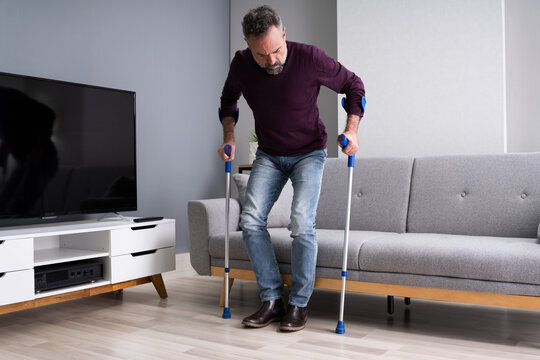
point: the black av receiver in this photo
(49, 277)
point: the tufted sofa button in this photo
(359, 194)
(523, 196)
(463, 194)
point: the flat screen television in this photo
(65, 148)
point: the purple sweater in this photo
(285, 108)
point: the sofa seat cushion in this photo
(280, 242)
(330, 243)
(459, 256)
(330, 246)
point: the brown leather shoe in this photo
(272, 310)
(295, 319)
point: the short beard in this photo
(274, 71)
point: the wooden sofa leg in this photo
(222, 297)
(390, 304)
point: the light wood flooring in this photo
(137, 324)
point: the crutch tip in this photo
(226, 313)
(340, 329)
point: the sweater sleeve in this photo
(231, 90)
(338, 78)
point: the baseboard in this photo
(183, 267)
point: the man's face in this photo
(269, 50)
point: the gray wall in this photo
(433, 71)
(173, 53)
(307, 21)
(523, 74)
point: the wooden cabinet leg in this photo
(157, 280)
(222, 298)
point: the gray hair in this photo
(257, 21)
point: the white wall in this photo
(433, 71)
(523, 74)
(307, 21)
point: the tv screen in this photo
(65, 148)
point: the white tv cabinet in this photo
(131, 253)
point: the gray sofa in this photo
(453, 228)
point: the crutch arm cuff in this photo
(232, 113)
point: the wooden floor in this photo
(137, 324)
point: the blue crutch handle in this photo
(343, 141)
(227, 149)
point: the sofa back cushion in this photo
(380, 194)
(485, 195)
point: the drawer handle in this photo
(144, 253)
(143, 227)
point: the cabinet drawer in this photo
(146, 263)
(16, 254)
(16, 286)
(142, 237)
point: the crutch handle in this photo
(343, 141)
(227, 149)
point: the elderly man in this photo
(280, 81)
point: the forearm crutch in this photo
(340, 329)
(227, 149)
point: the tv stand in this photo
(132, 254)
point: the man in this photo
(280, 81)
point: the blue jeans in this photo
(268, 176)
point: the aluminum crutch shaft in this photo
(340, 329)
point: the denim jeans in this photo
(268, 176)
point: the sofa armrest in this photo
(206, 218)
